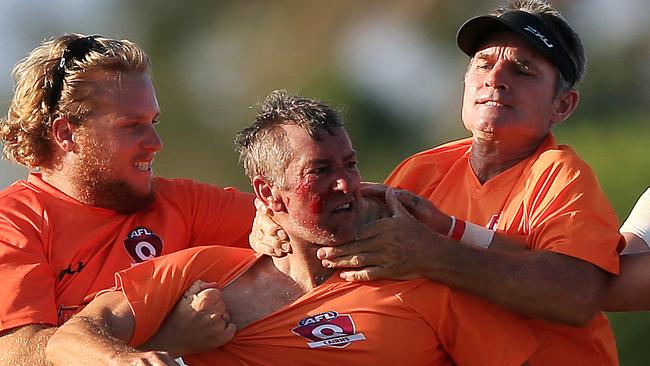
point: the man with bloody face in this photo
(291, 310)
(509, 214)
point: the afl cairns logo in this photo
(142, 244)
(328, 329)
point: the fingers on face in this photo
(374, 190)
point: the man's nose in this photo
(151, 140)
(497, 78)
(342, 184)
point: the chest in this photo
(84, 251)
(461, 195)
(344, 325)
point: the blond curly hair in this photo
(26, 132)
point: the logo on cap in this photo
(539, 35)
(328, 329)
(142, 244)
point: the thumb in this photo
(395, 205)
(199, 286)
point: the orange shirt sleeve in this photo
(569, 214)
(221, 216)
(471, 330)
(422, 172)
(26, 279)
(153, 288)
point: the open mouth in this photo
(491, 103)
(345, 207)
(143, 166)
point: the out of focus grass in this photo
(619, 152)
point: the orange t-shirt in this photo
(56, 253)
(339, 323)
(552, 197)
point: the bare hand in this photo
(390, 248)
(151, 358)
(267, 237)
(198, 323)
(421, 208)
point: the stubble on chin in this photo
(99, 191)
(96, 187)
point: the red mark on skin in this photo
(316, 202)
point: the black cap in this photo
(531, 28)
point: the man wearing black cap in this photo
(518, 219)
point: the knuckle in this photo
(356, 260)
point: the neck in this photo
(489, 158)
(303, 266)
(61, 180)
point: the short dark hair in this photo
(263, 149)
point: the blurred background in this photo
(392, 66)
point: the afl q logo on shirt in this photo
(328, 329)
(142, 244)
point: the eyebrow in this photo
(137, 116)
(518, 61)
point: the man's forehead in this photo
(122, 94)
(310, 148)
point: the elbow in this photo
(584, 307)
(581, 318)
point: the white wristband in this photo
(477, 236)
(469, 233)
(638, 223)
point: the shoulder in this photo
(429, 166)
(182, 188)
(166, 185)
(444, 154)
(561, 157)
(560, 165)
(193, 260)
(21, 200)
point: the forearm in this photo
(538, 284)
(25, 346)
(84, 341)
(98, 335)
(631, 290)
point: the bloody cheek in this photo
(304, 189)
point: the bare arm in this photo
(539, 284)
(98, 335)
(630, 291)
(198, 323)
(25, 346)
(634, 244)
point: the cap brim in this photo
(474, 31)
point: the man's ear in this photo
(267, 193)
(566, 104)
(63, 134)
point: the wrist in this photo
(470, 233)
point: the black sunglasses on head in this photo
(75, 50)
